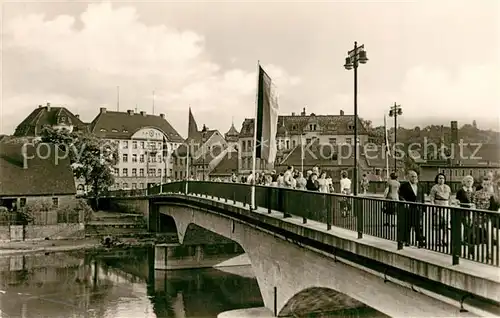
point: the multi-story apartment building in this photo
(294, 130)
(145, 144)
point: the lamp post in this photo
(395, 111)
(354, 57)
(203, 136)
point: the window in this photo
(134, 158)
(175, 174)
(151, 172)
(288, 144)
(125, 157)
(142, 144)
(125, 144)
(125, 172)
(55, 202)
(141, 185)
(134, 144)
(134, 172)
(294, 143)
(117, 171)
(125, 185)
(308, 141)
(348, 141)
(134, 186)
(159, 172)
(22, 202)
(141, 158)
(141, 172)
(117, 185)
(332, 141)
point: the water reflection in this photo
(123, 284)
(82, 285)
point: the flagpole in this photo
(302, 153)
(254, 161)
(187, 167)
(386, 148)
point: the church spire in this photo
(192, 126)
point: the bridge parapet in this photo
(462, 233)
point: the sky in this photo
(438, 59)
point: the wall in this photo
(53, 231)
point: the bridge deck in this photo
(465, 266)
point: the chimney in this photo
(162, 116)
(130, 111)
(48, 107)
(103, 110)
(40, 106)
(143, 113)
(303, 112)
(341, 112)
(293, 114)
(77, 116)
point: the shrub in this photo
(70, 213)
(35, 212)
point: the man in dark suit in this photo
(412, 191)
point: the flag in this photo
(267, 118)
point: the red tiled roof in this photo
(122, 125)
(296, 125)
(47, 116)
(39, 176)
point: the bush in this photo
(35, 212)
(70, 213)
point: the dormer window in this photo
(103, 130)
(312, 127)
(125, 130)
(351, 127)
(294, 127)
(114, 130)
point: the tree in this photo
(92, 158)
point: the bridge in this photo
(301, 241)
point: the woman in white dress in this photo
(440, 195)
(323, 183)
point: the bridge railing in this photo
(461, 232)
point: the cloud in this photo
(111, 47)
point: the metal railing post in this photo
(456, 235)
(358, 210)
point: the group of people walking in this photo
(314, 180)
(483, 196)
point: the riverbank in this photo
(25, 247)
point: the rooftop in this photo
(227, 165)
(297, 124)
(48, 116)
(122, 125)
(36, 176)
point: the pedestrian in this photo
(413, 192)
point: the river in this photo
(108, 285)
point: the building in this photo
(206, 149)
(294, 130)
(226, 167)
(27, 177)
(145, 144)
(49, 116)
(333, 160)
(232, 136)
(457, 160)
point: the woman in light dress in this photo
(391, 193)
(440, 195)
(323, 183)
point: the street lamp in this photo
(203, 136)
(354, 57)
(395, 111)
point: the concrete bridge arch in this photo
(285, 271)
